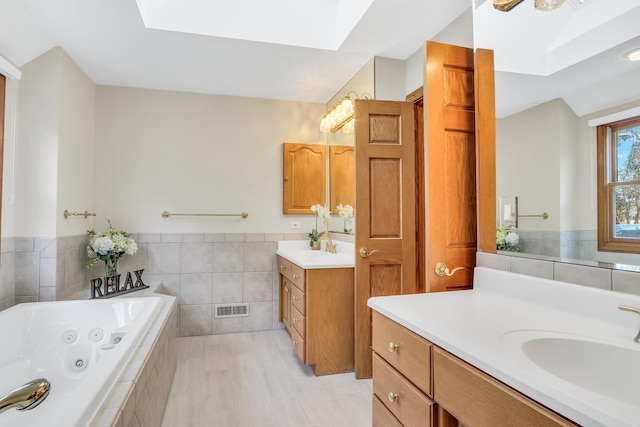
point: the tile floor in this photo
(255, 379)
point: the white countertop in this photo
(486, 327)
(299, 252)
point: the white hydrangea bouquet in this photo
(109, 246)
(346, 213)
(507, 240)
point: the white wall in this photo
(8, 163)
(389, 79)
(528, 147)
(182, 152)
(459, 32)
(37, 146)
(75, 147)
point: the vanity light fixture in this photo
(541, 5)
(548, 5)
(341, 115)
(633, 55)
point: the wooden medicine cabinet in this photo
(342, 173)
(304, 179)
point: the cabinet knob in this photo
(282, 267)
(392, 397)
(295, 276)
(294, 342)
(286, 289)
(392, 347)
(295, 298)
(286, 178)
(295, 320)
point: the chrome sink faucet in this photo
(632, 310)
(331, 247)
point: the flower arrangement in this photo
(109, 246)
(507, 240)
(346, 213)
(321, 212)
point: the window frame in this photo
(607, 241)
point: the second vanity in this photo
(316, 304)
(515, 350)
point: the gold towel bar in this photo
(542, 215)
(166, 214)
(85, 214)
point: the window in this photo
(619, 186)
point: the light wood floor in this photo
(256, 379)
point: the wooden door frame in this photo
(417, 99)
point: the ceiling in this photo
(566, 53)
(108, 40)
(538, 56)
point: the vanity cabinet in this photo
(316, 308)
(304, 179)
(418, 383)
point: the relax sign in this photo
(109, 286)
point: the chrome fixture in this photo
(85, 214)
(510, 217)
(166, 214)
(331, 247)
(27, 396)
(632, 310)
(341, 115)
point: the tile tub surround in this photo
(139, 396)
(203, 270)
(7, 273)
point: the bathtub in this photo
(81, 347)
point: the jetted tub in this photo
(81, 347)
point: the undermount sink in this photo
(605, 368)
(299, 252)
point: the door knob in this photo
(364, 253)
(442, 270)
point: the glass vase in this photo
(110, 267)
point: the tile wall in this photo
(594, 276)
(200, 269)
(7, 272)
(578, 245)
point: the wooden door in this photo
(385, 223)
(451, 214)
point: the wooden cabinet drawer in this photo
(405, 401)
(284, 267)
(298, 322)
(298, 299)
(298, 277)
(409, 353)
(477, 399)
(381, 415)
(299, 345)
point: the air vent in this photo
(231, 310)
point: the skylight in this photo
(319, 24)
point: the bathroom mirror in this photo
(341, 143)
(555, 71)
